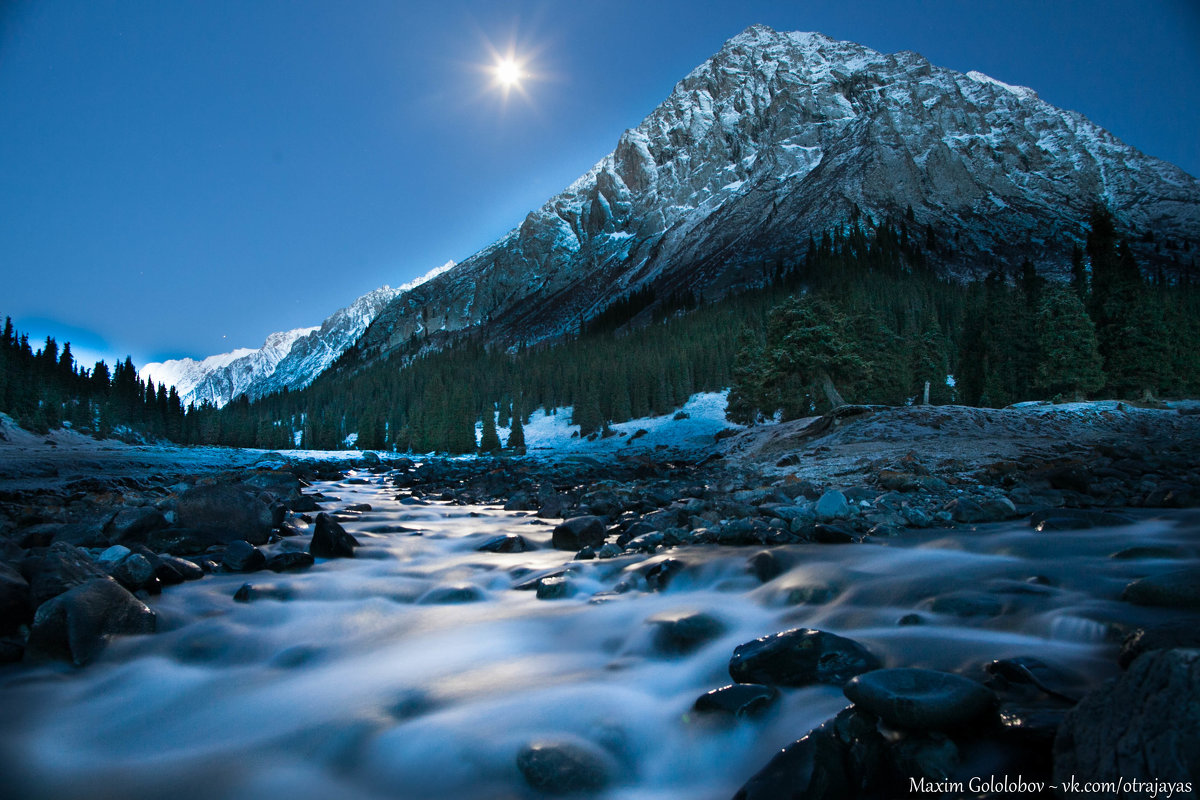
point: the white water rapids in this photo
(350, 680)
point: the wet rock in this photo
(557, 766)
(1172, 494)
(241, 556)
(451, 594)
(186, 570)
(1072, 519)
(741, 700)
(185, 541)
(928, 754)
(133, 524)
(112, 556)
(62, 567)
(250, 592)
(680, 633)
(659, 575)
(510, 543)
(832, 534)
(578, 532)
(800, 657)
(330, 539)
(1176, 589)
(1143, 725)
(967, 604)
(964, 509)
(770, 564)
(1033, 672)
(76, 625)
(291, 561)
(832, 505)
(838, 760)
(810, 594)
(553, 588)
(133, 572)
(230, 511)
(919, 699)
(1183, 634)
(14, 599)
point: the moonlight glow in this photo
(508, 72)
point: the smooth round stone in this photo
(1177, 589)
(738, 700)
(682, 632)
(563, 767)
(800, 657)
(920, 699)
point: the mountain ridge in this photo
(780, 136)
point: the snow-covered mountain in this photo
(288, 359)
(782, 136)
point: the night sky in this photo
(183, 178)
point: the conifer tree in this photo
(1069, 362)
(489, 440)
(516, 434)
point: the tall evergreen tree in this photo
(1069, 362)
(489, 440)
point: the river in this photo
(417, 670)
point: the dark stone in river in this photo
(62, 567)
(1070, 519)
(14, 599)
(1144, 724)
(76, 625)
(452, 593)
(769, 564)
(330, 539)
(578, 532)
(291, 561)
(800, 657)
(1165, 636)
(839, 760)
(739, 700)
(831, 534)
(509, 543)
(134, 571)
(919, 699)
(564, 767)
(133, 524)
(230, 511)
(1176, 589)
(553, 588)
(187, 570)
(680, 633)
(242, 556)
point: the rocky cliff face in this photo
(784, 135)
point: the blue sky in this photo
(183, 178)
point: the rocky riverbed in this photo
(794, 610)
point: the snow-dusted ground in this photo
(553, 433)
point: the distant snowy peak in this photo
(288, 359)
(428, 276)
(783, 136)
(218, 379)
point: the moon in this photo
(508, 73)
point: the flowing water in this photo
(416, 670)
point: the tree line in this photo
(46, 388)
(857, 315)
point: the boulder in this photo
(800, 657)
(680, 633)
(289, 562)
(919, 699)
(14, 599)
(557, 766)
(330, 539)
(739, 700)
(508, 543)
(62, 567)
(578, 532)
(133, 524)
(230, 511)
(1165, 636)
(1143, 725)
(76, 625)
(1176, 589)
(832, 505)
(133, 572)
(241, 556)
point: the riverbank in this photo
(1016, 551)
